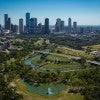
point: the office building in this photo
(27, 21)
(58, 25)
(5, 20)
(9, 24)
(39, 27)
(69, 26)
(21, 27)
(33, 25)
(46, 27)
(62, 26)
(15, 29)
(75, 27)
(0, 26)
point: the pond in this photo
(45, 90)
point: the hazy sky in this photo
(85, 12)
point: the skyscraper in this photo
(21, 27)
(40, 27)
(5, 20)
(15, 28)
(33, 25)
(9, 24)
(69, 25)
(62, 26)
(58, 25)
(46, 29)
(0, 26)
(27, 21)
(75, 27)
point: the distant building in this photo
(27, 21)
(33, 25)
(75, 27)
(81, 30)
(9, 24)
(62, 26)
(39, 27)
(5, 20)
(21, 26)
(15, 29)
(0, 26)
(0, 29)
(69, 26)
(58, 25)
(46, 30)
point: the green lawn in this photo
(73, 52)
(93, 47)
(55, 57)
(63, 95)
(57, 66)
(35, 61)
(38, 61)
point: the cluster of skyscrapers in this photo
(32, 26)
(60, 26)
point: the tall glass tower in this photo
(5, 20)
(47, 25)
(69, 25)
(27, 21)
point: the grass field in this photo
(55, 57)
(39, 62)
(73, 52)
(63, 95)
(57, 66)
(94, 47)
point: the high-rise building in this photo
(9, 24)
(15, 28)
(69, 25)
(39, 27)
(0, 26)
(5, 20)
(58, 25)
(27, 21)
(21, 27)
(62, 26)
(75, 27)
(46, 28)
(81, 30)
(33, 25)
(12, 27)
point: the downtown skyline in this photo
(85, 12)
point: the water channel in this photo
(45, 90)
